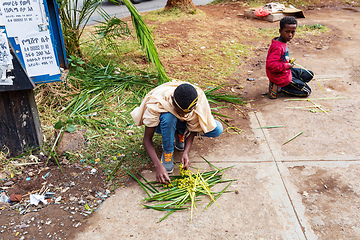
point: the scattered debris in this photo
(33, 158)
(9, 183)
(237, 108)
(46, 175)
(36, 213)
(319, 107)
(15, 198)
(49, 195)
(235, 129)
(293, 137)
(4, 198)
(35, 199)
(58, 199)
(279, 126)
(130, 132)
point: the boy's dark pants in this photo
(298, 87)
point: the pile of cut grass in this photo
(184, 191)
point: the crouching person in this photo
(178, 111)
(280, 69)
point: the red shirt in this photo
(277, 64)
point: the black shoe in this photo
(179, 141)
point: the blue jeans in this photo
(169, 123)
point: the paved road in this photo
(147, 5)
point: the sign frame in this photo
(51, 11)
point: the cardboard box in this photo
(273, 17)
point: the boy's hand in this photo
(162, 175)
(185, 160)
(291, 63)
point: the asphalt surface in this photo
(147, 5)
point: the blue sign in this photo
(33, 30)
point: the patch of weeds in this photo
(224, 60)
(126, 53)
(215, 64)
(112, 40)
(122, 50)
(254, 3)
(174, 14)
(105, 146)
(266, 32)
(76, 62)
(125, 142)
(4, 153)
(245, 2)
(301, 31)
(314, 29)
(304, 3)
(354, 3)
(15, 165)
(51, 99)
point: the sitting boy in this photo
(279, 69)
(170, 109)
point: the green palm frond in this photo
(112, 27)
(216, 98)
(146, 41)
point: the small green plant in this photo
(313, 29)
(68, 125)
(313, 26)
(76, 62)
(192, 11)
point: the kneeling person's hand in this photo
(162, 175)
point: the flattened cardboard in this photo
(277, 16)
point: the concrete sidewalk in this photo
(305, 189)
(279, 199)
(288, 195)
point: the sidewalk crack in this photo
(282, 180)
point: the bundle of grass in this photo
(184, 191)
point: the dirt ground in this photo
(81, 190)
(77, 193)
